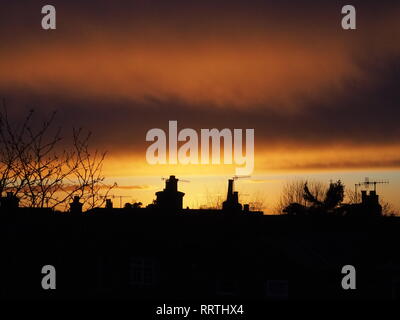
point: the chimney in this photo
(363, 196)
(171, 184)
(109, 204)
(374, 197)
(10, 202)
(230, 190)
(75, 205)
(235, 197)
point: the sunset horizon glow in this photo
(324, 102)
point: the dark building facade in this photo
(155, 255)
(164, 252)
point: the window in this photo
(142, 271)
(226, 287)
(277, 289)
(395, 289)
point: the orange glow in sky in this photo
(275, 69)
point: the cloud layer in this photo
(288, 70)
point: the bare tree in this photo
(388, 209)
(257, 202)
(351, 196)
(293, 192)
(213, 199)
(37, 166)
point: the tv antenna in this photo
(240, 177)
(182, 180)
(367, 183)
(113, 196)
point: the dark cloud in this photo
(349, 98)
(347, 165)
(360, 113)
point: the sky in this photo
(324, 102)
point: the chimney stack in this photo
(230, 190)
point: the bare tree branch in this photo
(36, 165)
